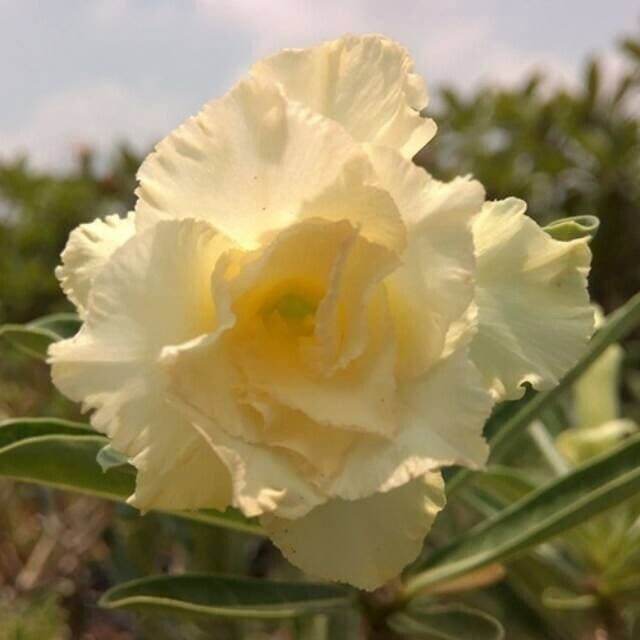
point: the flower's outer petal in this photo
(366, 83)
(153, 292)
(245, 163)
(364, 542)
(263, 479)
(533, 306)
(441, 423)
(89, 247)
(432, 290)
(177, 470)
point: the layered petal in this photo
(363, 542)
(365, 83)
(263, 480)
(441, 418)
(88, 249)
(434, 287)
(153, 292)
(245, 163)
(534, 317)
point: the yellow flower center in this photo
(291, 313)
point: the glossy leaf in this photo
(428, 621)
(225, 596)
(557, 507)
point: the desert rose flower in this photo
(298, 322)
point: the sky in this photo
(98, 72)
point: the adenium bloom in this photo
(298, 322)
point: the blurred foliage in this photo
(566, 152)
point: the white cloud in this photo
(98, 117)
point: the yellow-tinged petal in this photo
(263, 480)
(363, 542)
(245, 163)
(366, 83)
(177, 470)
(433, 288)
(153, 292)
(441, 419)
(89, 247)
(533, 305)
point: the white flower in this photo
(299, 322)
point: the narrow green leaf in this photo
(445, 622)
(573, 228)
(17, 429)
(33, 339)
(63, 455)
(30, 340)
(557, 507)
(225, 596)
(566, 600)
(504, 483)
(503, 432)
(64, 325)
(65, 462)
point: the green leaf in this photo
(503, 432)
(553, 509)
(225, 596)
(504, 483)
(64, 325)
(30, 340)
(63, 454)
(33, 339)
(573, 228)
(567, 600)
(428, 621)
(17, 429)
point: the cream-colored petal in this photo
(441, 419)
(366, 83)
(89, 247)
(177, 470)
(263, 480)
(356, 196)
(360, 398)
(245, 163)
(364, 542)
(434, 287)
(533, 305)
(153, 292)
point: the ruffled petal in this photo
(263, 480)
(89, 247)
(441, 419)
(364, 542)
(431, 292)
(245, 163)
(153, 292)
(533, 305)
(177, 470)
(366, 83)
